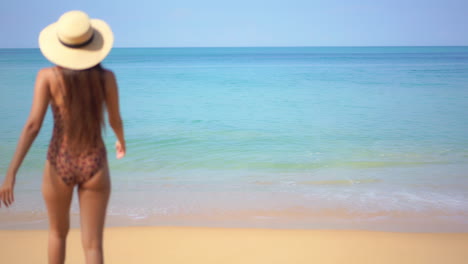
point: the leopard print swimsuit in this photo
(72, 168)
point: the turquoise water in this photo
(367, 130)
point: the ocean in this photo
(278, 137)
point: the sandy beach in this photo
(235, 245)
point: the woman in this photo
(78, 90)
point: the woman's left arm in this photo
(30, 131)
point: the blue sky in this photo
(202, 23)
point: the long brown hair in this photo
(83, 107)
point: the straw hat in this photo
(75, 41)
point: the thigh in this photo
(93, 197)
(57, 196)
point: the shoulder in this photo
(108, 74)
(109, 77)
(45, 77)
(45, 74)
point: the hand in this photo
(120, 148)
(6, 191)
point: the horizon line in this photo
(331, 46)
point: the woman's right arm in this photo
(113, 109)
(31, 129)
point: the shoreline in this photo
(433, 202)
(292, 219)
(245, 245)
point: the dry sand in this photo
(235, 245)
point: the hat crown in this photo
(74, 28)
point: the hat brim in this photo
(77, 58)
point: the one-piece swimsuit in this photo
(73, 168)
